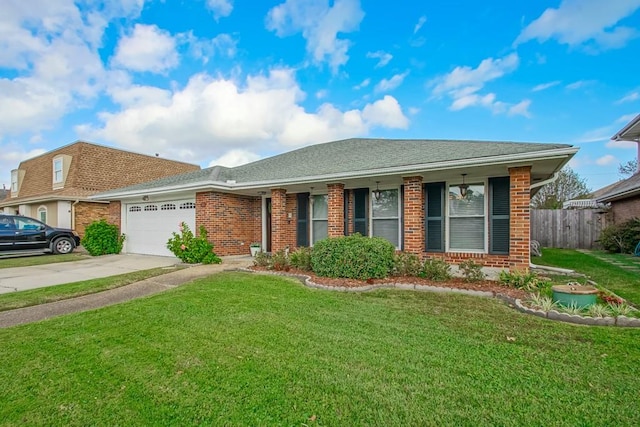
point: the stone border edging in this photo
(622, 321)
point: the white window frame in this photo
(14, 181)
(56, 179)
(398, 218)
(41, 210)
(312, 219)
(485, 215)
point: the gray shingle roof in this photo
(350, 155)
(629, 186)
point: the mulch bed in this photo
(455, 283)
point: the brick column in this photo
(336, 210)
(520, 219)
(278, 219)
(350, 211)
(413, 215)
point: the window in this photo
(42, 214)
(319, 215)
(135, 209)
(188, 205)
(151, 208)
(14, 181)
(57, 171)
(168, 207)
(467, 219)
(385, 221)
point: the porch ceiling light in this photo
(463, 187)
(377, 193)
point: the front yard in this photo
(242, 349)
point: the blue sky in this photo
(231, 81)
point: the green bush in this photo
(280, 261)
(621, 237)
(471, 271)
(190, 249)
(527, 281)
(102, 238)
(353, 257)
(436, 269)
(263, 259)
(406, 264)
(301, 258)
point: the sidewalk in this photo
(140, 289)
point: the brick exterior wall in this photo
(414, 215)
(114, 216)
(278, 219)
(520, 218)
(232, 221)
(623, 210)
(335, 215)
(88, 212)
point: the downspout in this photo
(544, 267)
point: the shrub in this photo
(471, 271)
(301, 259)
(101, 238)
(527, 281)
(280, 261)
(191, 249)
(435, 269)
(406, 264)
(621, 237)
(353, 257)
(263, 259)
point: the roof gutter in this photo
(420, 168)
(546, 181)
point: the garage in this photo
(149, 225)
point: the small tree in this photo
(628, 168)
(568, 186)
(102, 238)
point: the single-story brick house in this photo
(450, 199)
(624, 196)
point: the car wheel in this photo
(63, 245)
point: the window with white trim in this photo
(168, 207)
(135, 209)
(148, 208)
(385, 216)
(42, 214)
(14, 181)
(188, 205)
(467, 223)
(57, 171)
(319, 217)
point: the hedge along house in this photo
(448, 199)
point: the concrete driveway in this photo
(40, 276)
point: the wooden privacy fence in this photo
(567, 228)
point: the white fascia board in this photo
(209, 185)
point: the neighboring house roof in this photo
(624, 189)
(631, 132)
(93, 168)
(355, 158)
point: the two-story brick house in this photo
(450, 199)
(55, 187)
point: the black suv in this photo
(21, 234)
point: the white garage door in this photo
(149, 225)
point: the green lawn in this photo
(28, 260)
(13, 300)
(241, 349)
(623, 282)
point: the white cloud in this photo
(363, 84)
(583, 22)
(220, 8)
(545, 86)
(579, 84)
(382, 57)
(322, 93)
(387, 85)
(12, 155)
(319, 23)
(621, 144)
(630, 97)
(223, 45)
(626, 118)
(520, 109)
(148, 48)
(606, 160)
(420, 23)
(463, 84)
(414, 110)
(212, 115)
(234, 158)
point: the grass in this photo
(29, 260)
(618, 280)
(239, 349)
(10, 301)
